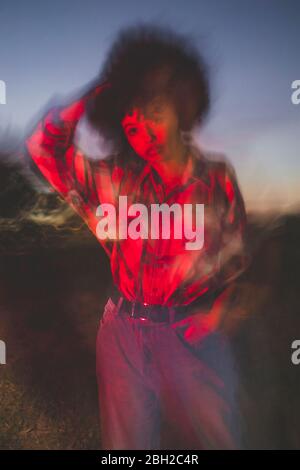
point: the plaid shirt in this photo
(153, 271)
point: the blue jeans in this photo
(148, 371)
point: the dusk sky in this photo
(49, 50)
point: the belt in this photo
(164, 313)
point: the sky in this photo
(50, 50)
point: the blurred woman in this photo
(162, 356)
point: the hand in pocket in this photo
(195, 327)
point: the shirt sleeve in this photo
(50, 147)
(51, 152)
(233, 256)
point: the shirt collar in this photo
(196, 169)
(201, 166)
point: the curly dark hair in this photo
(146, 61)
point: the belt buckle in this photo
(133, 311)
(145, 311)
(146, 308)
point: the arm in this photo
(51, 149)
(233, 258)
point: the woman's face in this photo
(152, 130)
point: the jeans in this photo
(149, 374)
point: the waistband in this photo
(164, 313)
